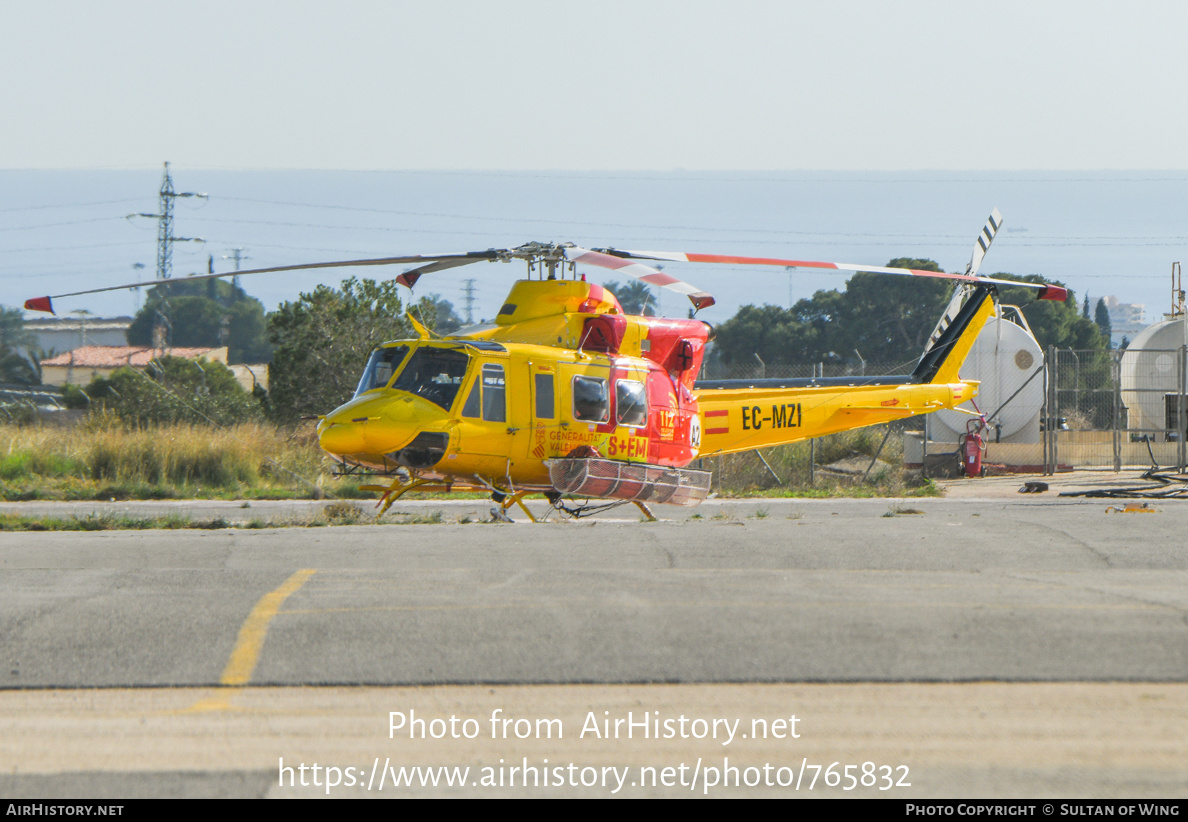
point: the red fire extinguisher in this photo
(972, 448)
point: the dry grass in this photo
(102, 460)
(746, 475)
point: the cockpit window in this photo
(380, 367)
(435, 374)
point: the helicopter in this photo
(566, 395)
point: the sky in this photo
(851, 131)
(639, 85)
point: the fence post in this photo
(1050, 413)
(818, 371)
(924, 448)
(1182, 440)
(1116, 374)
(1044, 425)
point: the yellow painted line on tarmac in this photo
(219, 702)
(246, 653)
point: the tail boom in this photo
(742, 419)
(741, 415)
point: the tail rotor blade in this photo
(982, 244)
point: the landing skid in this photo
(499, 512)
(506, 501)
(399, 488)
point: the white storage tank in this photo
(1150, 376)
(1005, 358)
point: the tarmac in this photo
(985, 644)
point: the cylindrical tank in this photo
(1004, 358)
(1149, 373)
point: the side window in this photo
(474, 400)
(488, 397)
(494, 391)
(591, 399)
(546, 408)
(631, 403)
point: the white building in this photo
(57, 335)
(1126, 320)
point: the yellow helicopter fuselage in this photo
(563, 374)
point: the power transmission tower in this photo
(164, 218)
(469, 301)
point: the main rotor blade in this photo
(700, 299)
(1046, 292)
(433, 262)
(409, 278)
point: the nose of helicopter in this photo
(375, 425)
(341, 438)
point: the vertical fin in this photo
(941, 362)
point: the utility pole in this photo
(136, 291)
(469, 300)
(236, 255)
(164, 218)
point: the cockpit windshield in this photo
(380, 367)
(435, 374)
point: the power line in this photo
(56, 225)
(66, 205)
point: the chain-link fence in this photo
(1101, 409)
(758, 370)
(1115, 409)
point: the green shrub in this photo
(174, 390)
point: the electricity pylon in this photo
(164, 218)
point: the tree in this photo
(770, 331)
(204, 314)
(888, 319)
(323, 340)
(173, 389)
(635, 297)
(439, 314)
(1052, 323)
(1101, 315)
(17, 365)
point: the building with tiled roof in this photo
(82, 365)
